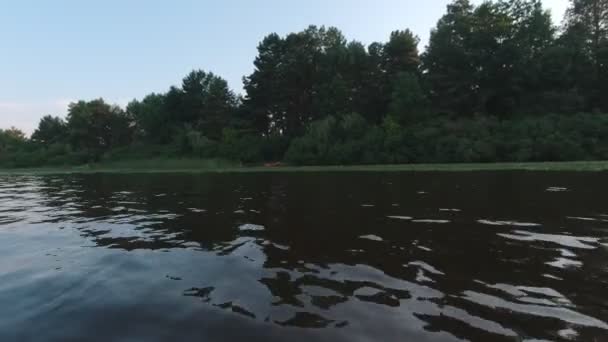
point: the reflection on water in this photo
(333, 257)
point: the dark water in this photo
(303, 257)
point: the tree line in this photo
(497, 82)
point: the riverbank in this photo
(218, 166)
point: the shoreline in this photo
(200, 166)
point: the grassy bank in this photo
(218, 166)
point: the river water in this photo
(480, 256)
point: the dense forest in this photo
(497, 82)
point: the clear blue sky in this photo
(54, 52)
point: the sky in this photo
(55, 52)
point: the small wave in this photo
(404, 218)
(508, 223)
(580, 242)
(371, 237)
(251, 227)
(430, 221)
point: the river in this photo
(480, 256)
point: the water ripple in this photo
(265, 253)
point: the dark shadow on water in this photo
(426, 256)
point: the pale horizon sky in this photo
(56, 52)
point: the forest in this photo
(497, 82)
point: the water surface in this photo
(482, 256)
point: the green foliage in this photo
(408, 100)
(206, 103)
(199, 144)
(50, 130)
(486, 59)
(11, 138)
(345, 140)
(97, 127)
(401, 53)
(242, 147)
(152, 118)
(442, 139)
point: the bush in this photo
(443, 139)
(240, 146)
(350, 139)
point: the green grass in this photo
(219, 166)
